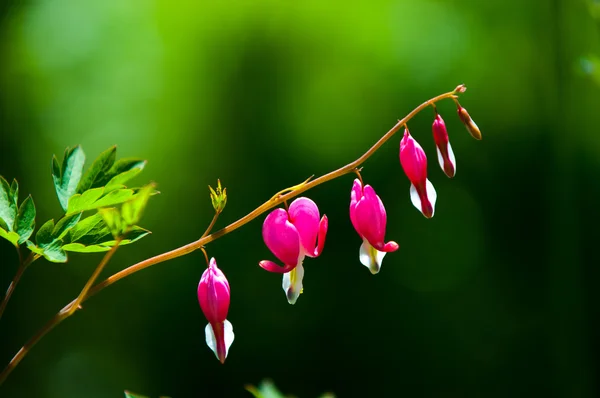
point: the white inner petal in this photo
(292, 283)
(451, 157)
(431, 195)
(370, 257)
(440, 158)
(414, 198)
(211, 341)
(228, 335)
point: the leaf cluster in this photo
(92, 221)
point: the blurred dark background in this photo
(496, 296)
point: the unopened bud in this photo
(218, 197)
(469, 123)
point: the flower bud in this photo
(469, 123)
(214, 297)
(218, 197)
(414, 163)
(444, 149)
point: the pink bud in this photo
(369, 220)
(291, 236)
(444, 150)
(469, 123)
(214, 297)
(414, 163)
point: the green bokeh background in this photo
(496, 296)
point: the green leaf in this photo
(31, 246)
(118, 181)
(49, 238)
(64, 225)
(14, 188)
(54, 253)
(98, 173)
(131, 211)
(25, 223)
(3, 225)
(66, 177)
(8, 206)
(10, 236)
(134, 235)
(44, 234)
(95, 198)
(51, 252)
(84, 201)
(93, 235)
(89, 230)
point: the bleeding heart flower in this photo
(414, 163)
(291, 235)
(444, 150)
(214, 297)
(369, 220)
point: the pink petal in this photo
(389, 247)
(272, 267)
(355, 196)
(213, 293)
(281, 237)
(323, 225)
(304, 214)
(413, 159)
(371, 218)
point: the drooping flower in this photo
(369, 219)
(414, 163)
(469, 123)
(214, 297)
(444, 149)
(291, 235)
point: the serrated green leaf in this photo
(113, 198)
(90, 230)
(134, 235)
(131, 211)
(44, 234)
(127, 164)
(66, 177)
(84, 201)
(31, 246)
(118, 181)
(64, 225)
(8, 207)
(98, 173)
(54, 253)
(10, 236)
(3, 225)
(49, 238)
(14, 188)
(25, 223)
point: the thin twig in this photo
(13, 284)
(63, 314)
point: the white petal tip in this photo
(370, 257)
